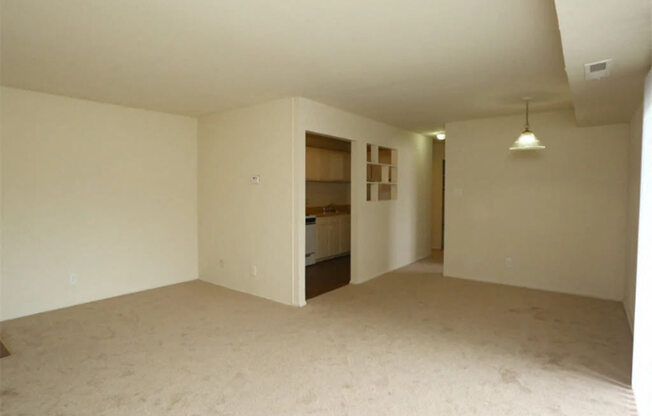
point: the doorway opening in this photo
(438, 200)
(328, 214)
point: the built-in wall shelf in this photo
(382, 173)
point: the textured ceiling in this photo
(414, 63)
(607, 29)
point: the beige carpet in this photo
(408, 343)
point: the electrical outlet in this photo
(508, 262)
(254, 270)
(73, 279)
(255, 179)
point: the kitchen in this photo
(328, 214)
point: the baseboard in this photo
(532, 287)
(94, 299)
(419, 257)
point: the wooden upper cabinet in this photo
(335, 170)
(347, 167)
(327, 165)
(313, 163)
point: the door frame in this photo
(299, 288)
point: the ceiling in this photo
(414, 64)
(596, 30)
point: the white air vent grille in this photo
(596, 70)
(601, 66)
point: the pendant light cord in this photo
(527, 118)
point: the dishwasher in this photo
(311, 239)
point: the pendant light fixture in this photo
(527, 140)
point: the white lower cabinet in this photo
(323, 237)
(345, 234)
(333, 236)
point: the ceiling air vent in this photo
(597, 70)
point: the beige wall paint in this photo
(114, 200)
(436, 212)
(385, 234)
(559, 214)
(207, 56)
(634, 188)
(319, 194)
(107, 193)
(642, 362)
(240, 224)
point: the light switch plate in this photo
(255, 179)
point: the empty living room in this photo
(425, 207)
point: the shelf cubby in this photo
(372, 192)
(385, 155)
(374, 173)
(382, 173)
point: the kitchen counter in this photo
(338, 210)
(329, 214)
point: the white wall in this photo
(559, 214)
(385, 234)
(642, 364)
(105, 192)
(240, 224)
(109, 194)
(634, 187)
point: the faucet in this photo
(329, 208)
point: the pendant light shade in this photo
(527, 140)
